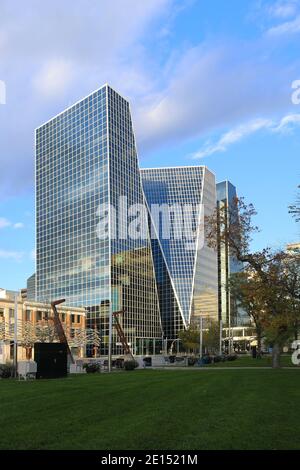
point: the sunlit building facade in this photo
(31, 287)
(31, 322)
(185, 267)
(85, 161)
(230, 314)
(293, 249)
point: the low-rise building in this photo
(293, 248)
(35, 324)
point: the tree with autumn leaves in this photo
(268, 288)
(294, 209)
(190, 337)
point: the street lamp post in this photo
(221, 334)
(16, 336)
(201, 337)
(110, 336)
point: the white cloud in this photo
(55, 52)
(13, 255)
(7, 223)
(209, 88)
(4, 222)
(54, 77)
(288, 27)
(32, 255)
(284, 8)
(287, 123)
(79, 31)
(18, 225)
(240, 132)
(233, 136)
(277, 18)
(2, 92)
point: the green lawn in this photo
(148, 409)
(248, 361)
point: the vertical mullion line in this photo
(35, 218)
(203, 174)
(109, 227)
(165, 260)
(149, 240)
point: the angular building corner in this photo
(186, 271)
(85, 161)
(229, 312)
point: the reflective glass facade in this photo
(85, 158)
(31, 287)
(186, 273)
(229, 313)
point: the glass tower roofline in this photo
(175, 167)
(105, 85)
(186, 276)
(86, 157)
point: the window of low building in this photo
(38, 315)
(27, 315)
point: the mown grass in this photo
(248, 361)
(192, 409)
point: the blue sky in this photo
(210, 82)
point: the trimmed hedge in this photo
(92, 367)
(6, 371)
(130, 365)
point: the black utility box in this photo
(51, 359)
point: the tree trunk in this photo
(296, 330)
(276, 356)
(259, 334)
(28, 353)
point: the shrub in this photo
(92, 367)
(119, 363)
(6, 371)
(231, 357)
(206, 360)
(130, 365)
(180, 359)
(218, 358)
(192, 361)
(147, 361)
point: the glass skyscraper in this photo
(86, 161)
(229, 312)
(31, 287)
(185, 267)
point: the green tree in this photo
(269, 291)
(295, 208)
(28, 338)
(245, 290)
(211, 337)
(190, 338)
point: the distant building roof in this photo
(293, 247)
